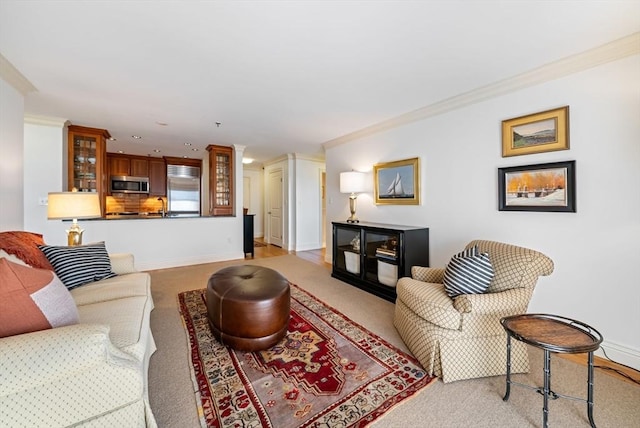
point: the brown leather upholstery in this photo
(248, 307)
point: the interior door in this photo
(323, 205)
(274, 207)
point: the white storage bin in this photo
(387, 273)
(352, 262)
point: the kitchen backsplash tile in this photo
(127, 202)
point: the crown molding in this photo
(276, 160)
(613, 51)
(57, 122)
(303, 156)
(13, 77)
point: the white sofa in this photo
(91, 374)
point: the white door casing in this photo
(274, 207)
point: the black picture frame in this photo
(545, 187)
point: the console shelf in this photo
(372, 256)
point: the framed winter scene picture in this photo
(541, 187)
(397, 183)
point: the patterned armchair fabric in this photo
(461, 338)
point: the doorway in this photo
(274, 207)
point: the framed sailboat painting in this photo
(397, 183)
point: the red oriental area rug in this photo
(327, 371)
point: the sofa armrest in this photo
(513, 301)
(427, 274)
(122, 263)
(44, 357)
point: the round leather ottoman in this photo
(248, 307)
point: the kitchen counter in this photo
(148, 216)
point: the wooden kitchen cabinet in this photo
(87, 160)
(139, 167)
(118, 165)
(135, 166)
(157, 177)
(221, 179)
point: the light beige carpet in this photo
(476, 403)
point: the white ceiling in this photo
(281, 76)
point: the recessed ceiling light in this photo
(137, 137)
(185, 156)
(112, 139)
(195, 149)
(187, 144)
(120, 151)
(247, 160)
(156, 150)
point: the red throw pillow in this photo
(24, 245)
(32, 300)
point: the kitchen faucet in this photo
(164, 210)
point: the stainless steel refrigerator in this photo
(183, 191)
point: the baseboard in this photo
(620, 354)
(171, 263)
(307, 246)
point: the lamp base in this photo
(74, 235)
(352, 208)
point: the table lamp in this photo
(352, 182)
(73, 206)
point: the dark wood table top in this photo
(553, 333)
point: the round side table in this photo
(552, 333)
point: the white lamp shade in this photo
(73, 205)
(352, 182)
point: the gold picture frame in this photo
(397, 183)
(546, 131)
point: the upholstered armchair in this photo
(461, 337)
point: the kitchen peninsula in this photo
(158, 242)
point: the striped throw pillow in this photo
(76, 266)
(468, 272)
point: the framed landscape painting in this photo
(541, 187)
(397, 183)
(536, 133)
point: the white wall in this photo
(301, 210)
(11, 157)
(595, 250)
(43, 148)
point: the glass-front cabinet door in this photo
(87, 157)
(220, 180)
(381, 256)
(347, 250)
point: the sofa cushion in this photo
(24, 245)
(468, 272)
(118, 287)
(128, 319)
(79, 265)
(430, 302)
(32, 300)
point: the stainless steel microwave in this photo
(128, 184)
